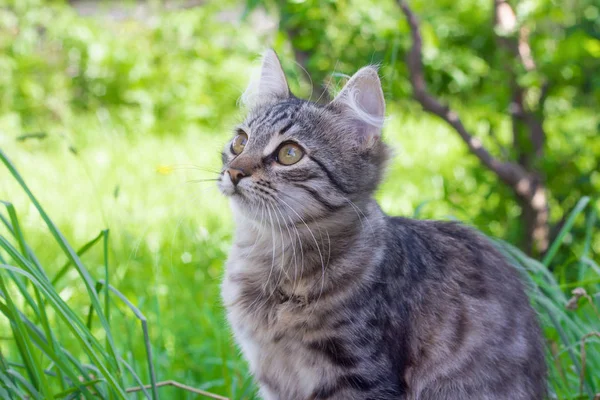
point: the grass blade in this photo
(587, 244)
(76, 327)
(65, 268)
(579, 207)
(77, 389)
(9, 384)
(41, 307)
(41, 343)
(148, 346)
(25, 384)
(33, 366)
(72, 255)
(106, 291)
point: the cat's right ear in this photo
(361, 102)
(270, 86)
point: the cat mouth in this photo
(233, 192)
(227, 188)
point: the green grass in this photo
(162, 243)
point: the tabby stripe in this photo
(353, 381)
(461, 329)
(280, 118)
(320, 199)
(357, 382)
(286, 128)
(301, 177)
(252, 121)
(267, 115)
(324, 392)
(329, 175)
(334, 350)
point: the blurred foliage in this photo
(107, 115)
(160, 75)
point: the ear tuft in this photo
(362, 101)
(270, 85)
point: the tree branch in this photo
(179, 386)
(510, 173)
(505, 20)
(505, 23)
(521, 176)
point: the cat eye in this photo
(289, 154)
(239, 142)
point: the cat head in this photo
(299, 160)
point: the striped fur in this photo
(329, 298)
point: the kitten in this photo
(328, 297)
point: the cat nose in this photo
(236, 175)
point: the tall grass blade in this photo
(85, 339)
(25, 384)
(587, 244)
(65, 268)
(23, 341)
(147, 344)
(11, 385)
(579, 207)
(72, 255)
(41, 307)
(106, 291)
(41, 343)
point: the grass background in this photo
(119, 150)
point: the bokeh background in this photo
(114, 113)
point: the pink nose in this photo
(236, 175)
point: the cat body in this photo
(329, 298)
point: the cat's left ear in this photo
(271, 85)
(362, 103)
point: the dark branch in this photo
(505, 23)
(510, 173)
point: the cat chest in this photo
(263, 313)
(281, 364)
(270, 337)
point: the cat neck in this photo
(346, 242)
(356, 219)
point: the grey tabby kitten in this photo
(328, 297)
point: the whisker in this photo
(192, 166)
(261, 224)
(323, 265)
(294, 286)
(311, 233)
(273, 251)
(282, 255)
(292, 240)
(202, 180)
(262, 215)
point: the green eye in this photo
(289, 153)
(239, 142)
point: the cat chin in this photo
(247, 213)
(240, 207)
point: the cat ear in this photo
(272, 78)
(362, 102)
(270, 85)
